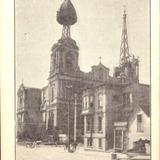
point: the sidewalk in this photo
(107, 155)
(44, 152)
(120, 156)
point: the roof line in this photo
(142, 84)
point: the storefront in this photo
(120, 136)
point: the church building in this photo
(83, 106)
(117, 112)
(63, 93)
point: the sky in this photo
(97, 33)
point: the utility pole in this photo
(68, 87)
(75, 118)
(68, 126)
(91, 130)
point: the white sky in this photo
(97, 33)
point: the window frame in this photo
(101, 75)
(100, 143)
(127, 98)
(99, 123)
(139, 123)
(91, 101)
(43, 116)
(100, 100)
(88, 121)
(52, 94)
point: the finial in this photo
(66, 16)
(100, 59)
(124, 11)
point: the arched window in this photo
(54, 61)
(69, 61)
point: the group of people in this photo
(71, 147)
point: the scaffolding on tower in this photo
(124, 48)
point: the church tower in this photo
(128, 69)
(63, 83)
(64, 57)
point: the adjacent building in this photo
(117, 112)
(28, 112)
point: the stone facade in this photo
(65, 81)
(28, 115)
(103, 105)
(99, 99)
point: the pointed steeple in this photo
(124, 49)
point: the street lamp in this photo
(68, 87)
(75, 117)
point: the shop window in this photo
(118, 139)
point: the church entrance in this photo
(51, 122)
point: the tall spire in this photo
(66, 16)
(124, 49)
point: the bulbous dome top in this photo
(67, 14)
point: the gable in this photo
(138, 110)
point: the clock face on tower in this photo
(69, 61)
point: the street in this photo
(48, 152)
(57, 153)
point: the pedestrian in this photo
(74, 144)
(65, 145)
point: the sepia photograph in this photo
(82, 76)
